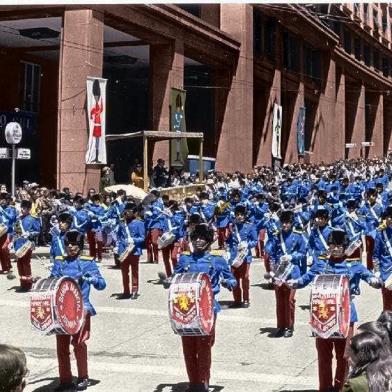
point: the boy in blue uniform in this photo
(336, 263)
(286, 246)
(197, 349)
(57, 247)
(382, 257)
(242, 239)
(131, 230)
(7, 218)
(86, 273)
(28, 229)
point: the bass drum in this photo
(191, 304)
(330, 306)
(56, 306)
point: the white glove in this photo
(292, 283)
(286, 258)
(243, 245)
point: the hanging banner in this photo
(178, 147)
(301, 131)
(276, 131)
(96, 110)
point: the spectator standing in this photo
(160, 174)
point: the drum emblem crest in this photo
(184, 301)
(41, 314)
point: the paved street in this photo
(132, 347)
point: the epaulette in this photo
(353, 260)
(186, 253)
(59, 258)
(217, 252)
(298, 231)
(86, 258)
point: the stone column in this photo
(387, 125)
(166, 71)
(358, 117)
(81, 56)
(378, 128)
(235, 143)
(340, 115)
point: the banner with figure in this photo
(178, 147)
(276, 131)
(96, 111)
(301, 131)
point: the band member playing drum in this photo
(197, 349)
(383, 257)
(336, 264)
(27, 228)
(86, 273)
(241, 241)
(131, 236)
(287, 251)
(7, 219)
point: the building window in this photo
(194, 9)
(257, 32)
(31, 83)
(376, 60)
(384, 23)
(366, 55)
(270, 39)
(357, 48)
(290, 52)
(347, 41)
(385, 66)
(365, 12)
(312, 63)
(376, 26)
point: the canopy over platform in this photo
(160, 136)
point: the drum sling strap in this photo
(60, 242)
(282, 244)
(322, 239)
(387, 242)
(375, 216)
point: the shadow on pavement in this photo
(271, 332)
(182, 387)
(297, 390)
(264, 286)
(54, 382)
(305, 307)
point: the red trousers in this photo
(325, 349)
(133, 262)
(285, 306)
(152, 245)
(80, 350)
(95, 247)
(24, 271)
(260, 244)
(223, 234)
(197, 355)
(386, 299)
(170, 257)
(5, 259)
(369, 252)
(241, 274)
(267, 262)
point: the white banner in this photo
(96, 110)
(276, 131)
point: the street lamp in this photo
(13, 136)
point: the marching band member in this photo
(81, 218)
(7, 220)
(319, 233)
(222, 220)
(372, 212)
(193, 221)
(86, 273)
(197, 349)
(241, 241)
(131, 234)
(153, 222)
(27, 229)
(336, 263)
(57, 247)
(286, 247)
(94, 234)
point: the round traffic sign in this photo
(13, 133)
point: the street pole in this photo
(13, 170)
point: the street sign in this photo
(4, 153)
(351, 145)
(13, 133)
(367, 144)
(23, 153)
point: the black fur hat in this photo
(338, 237)
(75, 238)
(204, 231)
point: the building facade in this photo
(333, 62)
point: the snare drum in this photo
(330, 306)
(166, 239)
(3, 229)
(191, 304)
(56, 306)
